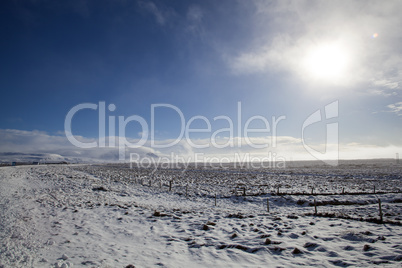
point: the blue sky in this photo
(278, 58)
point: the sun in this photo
(326, 62)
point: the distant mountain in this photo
(36, 157)
(107, 157)
(152, 155)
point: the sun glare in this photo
(326, 62)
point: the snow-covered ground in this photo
(113, 216)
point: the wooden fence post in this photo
(315, 207)
(267, 204)
(380, 210)
(170, 186)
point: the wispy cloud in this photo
(396, 108)
(281, 148)
(368, 31)
(33, 142)
(194, 18)
(162, 14)
(276, 56)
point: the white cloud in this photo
(34, 142)
(387, 83)
(396, 108)
(286, 30)
(286, 148)
(278, 55)
(382, 92)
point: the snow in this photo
(110, 216)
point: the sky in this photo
(180, 65)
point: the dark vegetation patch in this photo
(336, 202)
(297, 251)
(347, 217)
(159, 214)
(239, 216)
(100, 189)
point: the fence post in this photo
(315, 207)
(312, 190)
(374, 189)
(170, 186)
(267, 204)
(380, 210)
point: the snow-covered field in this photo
(114, 216)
